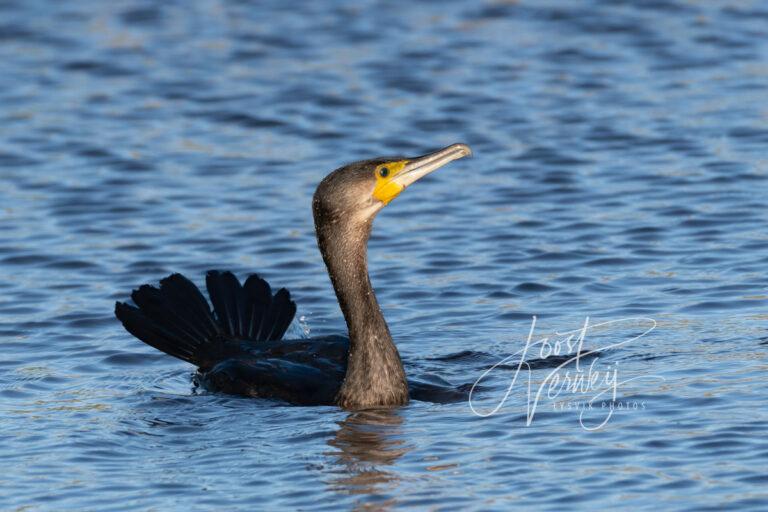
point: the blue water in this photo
(620, 175)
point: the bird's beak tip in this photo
(462, 148)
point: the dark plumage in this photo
(238, 346)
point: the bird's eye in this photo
(384, 172)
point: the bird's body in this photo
(302, 372)
(238, 346)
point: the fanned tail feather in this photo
(176, 319)
(249, 312)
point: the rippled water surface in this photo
(620, 174)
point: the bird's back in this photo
(304, 372)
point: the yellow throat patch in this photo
(386, 188)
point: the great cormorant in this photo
(237, 347)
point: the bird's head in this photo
(356, 192)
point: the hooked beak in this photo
(405, 172)
(417, 168)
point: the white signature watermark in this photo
(565, 355)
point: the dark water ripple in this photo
(620, 172)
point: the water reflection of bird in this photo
(366, 443)
(237, 346)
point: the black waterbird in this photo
(237, 347)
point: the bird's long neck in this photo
(375, 374)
